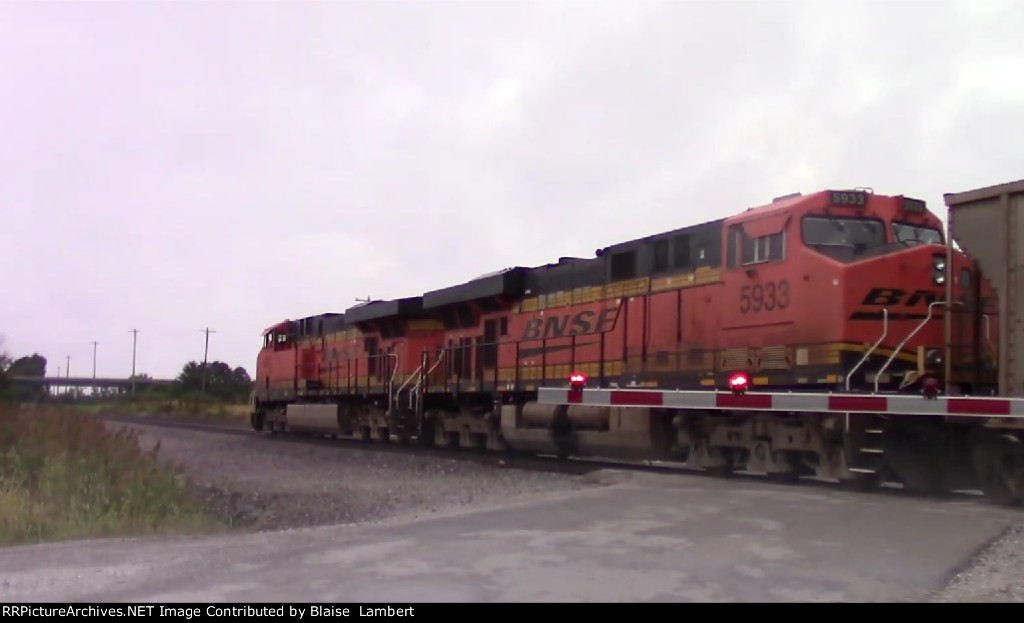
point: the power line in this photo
(206, 352)
(135, 337)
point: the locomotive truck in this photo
(839, 335)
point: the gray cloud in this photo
(169, 166)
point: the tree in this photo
(25, 391)
(5, 358)
(221, 381)
(5, 362)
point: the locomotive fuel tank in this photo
(580, 430)
(313, 418)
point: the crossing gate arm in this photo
(980, 407)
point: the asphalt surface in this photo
(641, 537)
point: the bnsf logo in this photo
(886, 297)
(581, 323)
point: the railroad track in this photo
(544, 463)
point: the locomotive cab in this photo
(275, 363)
(877, 264)
(899, 285)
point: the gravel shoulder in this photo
(995, 574)
(259, 483)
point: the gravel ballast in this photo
(261, 483)
(996, 574)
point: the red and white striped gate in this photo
(743, 400)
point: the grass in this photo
(63, 475)
(187, 409)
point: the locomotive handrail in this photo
(899, 347)
(988, 334)
(414, 375)
(885, 331)
(391, 381)
(849, 375)
(439, 358)
(416, 389)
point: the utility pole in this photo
(67, 370)
(135, 337)
(94, 343)
(206, 352)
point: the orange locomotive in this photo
(836, 290)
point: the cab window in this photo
(278, 341)
(906, 233)
(763, 248)
(744, 250)
(854, 233)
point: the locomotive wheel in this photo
(1000, 467)
(426, 435)
(257, 420)
(997, 489)
(727, 468)
(862, 482)
(917, 459)
(785, 478)
(722, 471)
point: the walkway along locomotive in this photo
(837, 335)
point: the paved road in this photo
(643, 537)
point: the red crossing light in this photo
(577, 380)
(739, 382)
(930, 387)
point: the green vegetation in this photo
(66, 476)
(13, 391)
(207, 391)
(215, 380)
(159, 405)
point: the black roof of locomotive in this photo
(509, 282)
(334, 322)
(374, 310)
(710, 228)
(309, 326)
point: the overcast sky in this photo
(175, 165)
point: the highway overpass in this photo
(83, 381)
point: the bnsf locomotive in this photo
(780, 340)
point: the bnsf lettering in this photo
(570, 324)
(884, 297)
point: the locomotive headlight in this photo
(939, 269)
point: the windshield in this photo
(915, 234)
(854, 233)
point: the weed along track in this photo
(65, 476)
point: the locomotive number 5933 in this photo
(764, 297)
